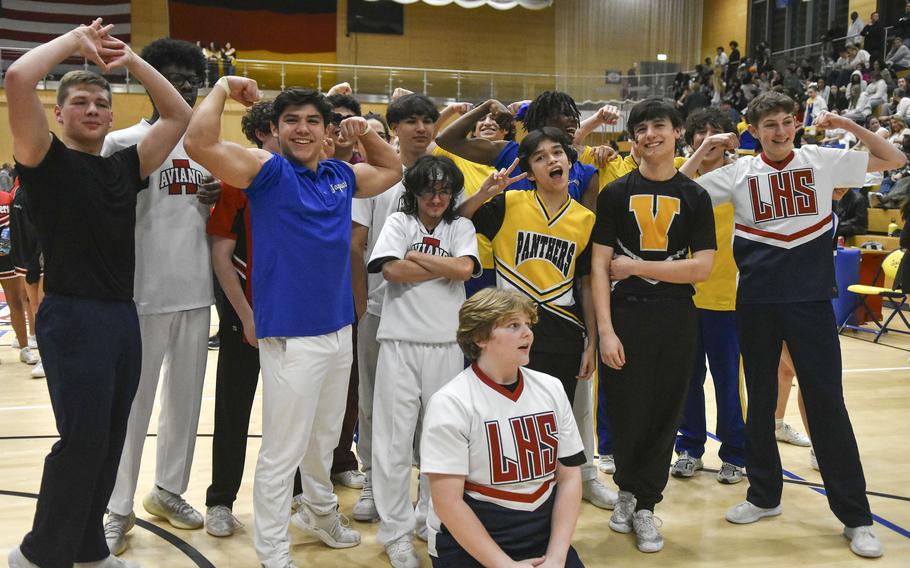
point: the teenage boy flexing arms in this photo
(651, 219)
(85, 212)
(300, 211)
(782, 200)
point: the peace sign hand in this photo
(498, 181)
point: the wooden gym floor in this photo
(877, 390)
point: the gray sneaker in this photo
(621, 519)
(401, 553)
(598, 494)
(173, 508)
(333, 529)
(352, 478)
(365, 507)
(686, 465)
(607, 464)
(746, 513)
(647, 537)
(220, 521)
(863, 542)
(115, 529)
(730, 474)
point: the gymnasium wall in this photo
(128, 110)
(450, 37)
(722, 22)
(864, 7)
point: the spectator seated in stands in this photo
(851, 208)
(898, 57)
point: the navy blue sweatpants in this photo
(92, 354)
(811, 334)
(717, 341)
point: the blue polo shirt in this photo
(579, 174)
(301, 224)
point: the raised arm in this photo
(882, 154)
(607, 114)
(454, 138)
(174, 113)
(227, 161)
(725, 141)
(382, 169)
(28, 123)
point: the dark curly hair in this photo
(431, 173)
(300, 97)
(168, 51)
(549, 105)
(258, 118)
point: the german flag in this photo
(278, 26)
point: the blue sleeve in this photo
(583, 173)
(505, 159)
(267, 179)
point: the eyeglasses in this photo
(179, 79)
(431, 193)
(336, 118)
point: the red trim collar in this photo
(778, 165)
(513, 396)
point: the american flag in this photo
(28, 23)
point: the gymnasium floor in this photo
(877, 390)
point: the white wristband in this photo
(223, 84)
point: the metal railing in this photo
(372, 83)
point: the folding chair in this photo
(895, 268)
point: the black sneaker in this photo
(214, 342)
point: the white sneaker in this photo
(606, 464)
(33, 342)
(621, 519)
(746, 513)
(26, 356)
(787, 434)
(863, 542)
(598, 494)
(220, 521)
(351, 478)
(18, 560)
(38, 371)
(333, 529)
(686, 465)
(173, 508)
(647, 536)
(813, 461)
(401, 553)
(115, 529)
(365, 507)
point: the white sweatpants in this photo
(367, 357)
(304, 392)
(583, 409)
(177, 343)
(407, 375)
